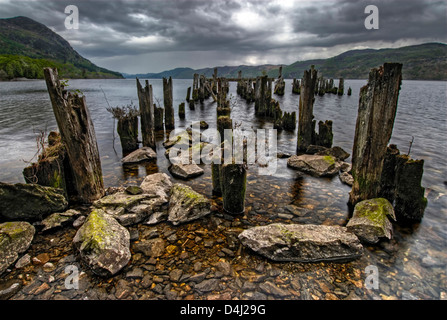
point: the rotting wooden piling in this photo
(146, 104)
(78, 136)
(168, 104)
(306, 105)
(374, 126)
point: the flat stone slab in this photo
(185, 171)
(140, 155)
(316, 165)
(303, 243)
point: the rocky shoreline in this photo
(205, 259)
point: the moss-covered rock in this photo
(316, 165)
(15, 238)
(57, 220)
(103, 244)
(29, 201)
(186, 204)
(370, 220)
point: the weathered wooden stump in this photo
(349, 91)
(325, 135)
(49, 170)
(341, 87)
(181, 110)
(168, 104)
(306, 105)
(233, 179)
(374, 126)
(78, 136)
(224, 122)
(188, 94)
(409, 202)
(146, 103)
(296, 86)
(158, 118)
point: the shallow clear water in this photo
(422, 113)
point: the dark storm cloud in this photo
(201, 33)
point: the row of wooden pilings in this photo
(378, 170)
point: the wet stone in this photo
(135, 273)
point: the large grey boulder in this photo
(186, 204)
(15, 238)
(302, 243)
(157, 184)
(316, 165)
(140, 155)
(103, 243)
(22, 201)
(370, 220)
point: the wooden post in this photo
(168, 104)
(409, 202)
(341, 87)
(158, 117)
(145, 99)
(296, 86)
(224, 122)
(325, 135)
(306, 106)
(349, 91)
(233, 179)
(127, 129)
(78, 136)
(49, 170)
(181, 110)
(188, 94)
(374, 126)
(195, 87)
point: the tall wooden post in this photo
(306, 107)
(341, 87)
(168, 104)
(78, 135)
(145, 99)
(375, 121)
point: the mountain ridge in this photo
(426, 61)
(26, 46)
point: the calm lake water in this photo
(422, 113)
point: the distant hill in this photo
(26, 46)
(420, 62)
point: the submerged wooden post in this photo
(168, 104)
(181, 110)
(158, 118)
(306, 106)
(127, 129)
(296, 86)
(233, 180)
(146, 103)
(374, 126)
(409, 200)
(78, 136)
(341, 87)
(188, 94)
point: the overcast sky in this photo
(156, 35)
